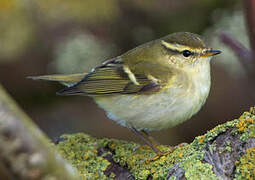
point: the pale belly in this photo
(159, 111)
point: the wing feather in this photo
(107, 79)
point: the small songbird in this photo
(155, 86)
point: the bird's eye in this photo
(186, 53)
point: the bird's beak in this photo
(210, 52)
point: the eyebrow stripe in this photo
(179, 48)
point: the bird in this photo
(154, 86)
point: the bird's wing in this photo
(112, 77)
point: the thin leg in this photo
(147, 141)
(152, 140)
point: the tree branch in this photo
(249, 6)
(225, 152)
(25, 151)
(246, 56)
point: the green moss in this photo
(247, 128)
(246, 166)
(81, 151)
(228, 147)
(198, 170)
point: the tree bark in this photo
(25, 151)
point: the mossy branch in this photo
(24, 150)
(225, 152)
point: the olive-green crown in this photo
(186, 39)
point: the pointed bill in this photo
(210, 52)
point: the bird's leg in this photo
(150, 142)
(147, 141)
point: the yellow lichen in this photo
(153, 170)
(244, 122)
(250, 121)
(241, 126)
(82, 151)
(155, 176)
(246, 165)
(85, 157)
(201, 139)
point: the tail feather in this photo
(67, 80)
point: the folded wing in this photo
(110, 78)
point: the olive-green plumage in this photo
(154, 86)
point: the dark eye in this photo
(186, 53)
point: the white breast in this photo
(161, 110)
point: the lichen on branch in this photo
(225, 152)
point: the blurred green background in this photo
(63, 36)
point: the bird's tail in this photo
(67, 80)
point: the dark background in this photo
(62, 36)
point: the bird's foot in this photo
(159, 155)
